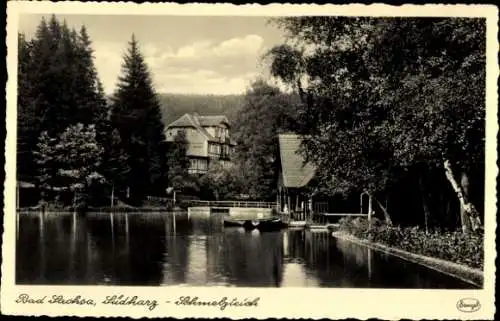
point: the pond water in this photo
(153, 249)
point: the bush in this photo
(454, 246)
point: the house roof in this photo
(194, 120)
(212, 120)
(295, 172)
(188, 120)
(184, 121)
(199, 122)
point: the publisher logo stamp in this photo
(468, 305)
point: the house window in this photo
(214, 149)
(198, 165)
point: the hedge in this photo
(456, 246)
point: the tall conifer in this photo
(136, 115)
(27, 120)
(58, 87)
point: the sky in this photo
(198, 55)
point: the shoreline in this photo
(462, 272)
(97, 210)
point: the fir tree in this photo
(58, 88)
(93, 107)
(136, 115)
(62, 87)
(27, 120)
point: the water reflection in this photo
(253, 258)
(174, 249)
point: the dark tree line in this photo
(69, 137)
(58, 87)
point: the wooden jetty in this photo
(322, 227)
(231, 204)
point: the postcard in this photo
(251, 161)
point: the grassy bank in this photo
(459, 271)
(454, 246)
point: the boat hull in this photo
(270, 224)
(233, 223)
(297, 224)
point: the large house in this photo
(208, 139)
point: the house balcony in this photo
(221, 156)
(214, 155)
(197, 171)
(225, 156)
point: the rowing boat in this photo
(264, 224)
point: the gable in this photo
(188, 120)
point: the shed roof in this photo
(294, 171)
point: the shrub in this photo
(454, 246)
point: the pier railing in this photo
(228, 204)
(324, 218)
(160, 200)
(316, 218)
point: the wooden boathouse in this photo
(296, 189)
(294, 177)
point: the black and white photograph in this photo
(252, 151)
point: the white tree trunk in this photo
(112, 195)
(387, 216)
(469, 212)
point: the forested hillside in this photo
(175, 105)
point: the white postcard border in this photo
(334, 303)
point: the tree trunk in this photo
(424, 204)
(387, 216)
(464, 182)
(468, 213)
(474, 219)
(112, 195)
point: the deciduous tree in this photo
(373, 116)
(266, 112)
